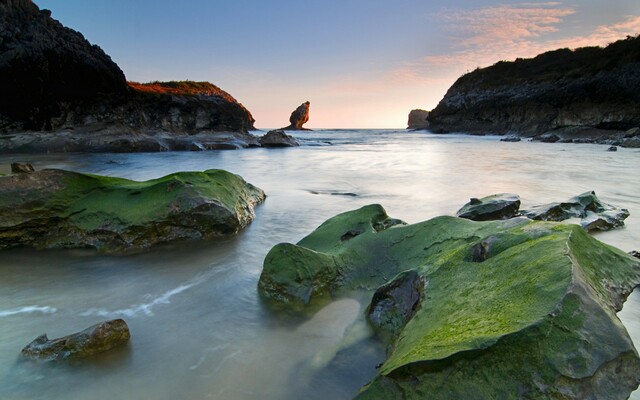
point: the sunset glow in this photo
(361, 65)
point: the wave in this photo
(28, 310)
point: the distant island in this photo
(586, 94)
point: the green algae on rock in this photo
(534, 317)
(63, 209)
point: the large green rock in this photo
(533, 317)
(56, 209)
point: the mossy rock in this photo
(59, 209)
(534, 317)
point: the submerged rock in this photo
(93, 340)
(497, 206)
(278, 138)
(594, 214)
(534, 315)
(418, 119)
(511, 138)
(61, 209)
(299, 117)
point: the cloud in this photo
(485, 36)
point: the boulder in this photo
(63, 209)
(535, 316)
(511, 138)
(17, 168)
(594, 214)
(277, 138)
(299, 117)
(631, 142)
(612, 148)
(394, 303)
(547, 138)
(497, 206)
(634, 253)
(93, 340)
(418, 119)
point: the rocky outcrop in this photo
(497, 206)
(93, 340)
(299, 117)
(277, 138)
(593, 213)
(55, 82)
(588, 94)
(418, 119)
(62, 209)
(534, 317)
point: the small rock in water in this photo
(277, 138)
(93, 340)
(511, 138)
(634, 253)
(612, 148)
(25, 168)
(497, 206)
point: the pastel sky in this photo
(361, 63)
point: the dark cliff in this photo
(588, 88)
(53, 79)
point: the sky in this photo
(361, 63)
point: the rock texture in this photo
(60, 93)
(588, 94)
(497, 206)
(418, 119)
(62, 209)
(93, 340)
(277, 138)
(534, 318)
(593, 213)
(299, 117)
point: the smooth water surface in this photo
(198, 328)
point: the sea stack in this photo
(299, 117)
(418, 119)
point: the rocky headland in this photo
(54, 208)
(299, 117)
(63, 94)
(472, 309)
(418, 119)
(588, 94)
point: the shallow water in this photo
(198, 327)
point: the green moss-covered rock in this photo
(56, 208)
(533, 317)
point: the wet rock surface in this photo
(278, 138)
(91, 341)
(418, 119)
(63, 209)
(497, 206)
(594, 214)
(529, 309)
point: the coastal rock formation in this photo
(299, 117)
(93, 340)
(587, 94)
(60, 93)
(497, 206)
(277, 138)
(594, 214)
(418, 119)
(535, 316)
(62, 209)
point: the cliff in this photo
(299, 117)
(55, 81)
(590, 91)
(418, 119)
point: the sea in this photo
(200, 330)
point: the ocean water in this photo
(199, 330)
